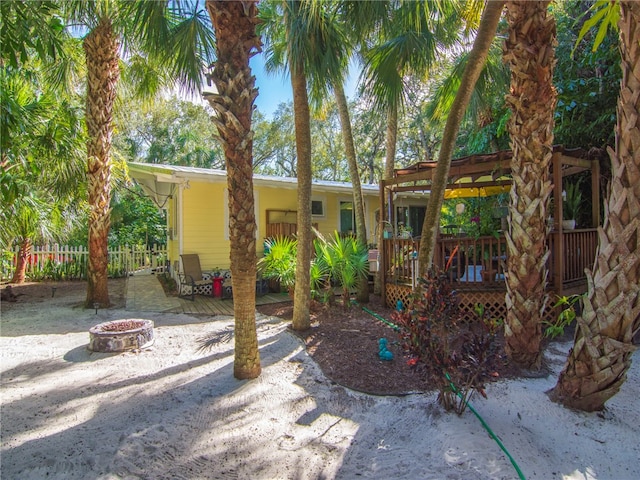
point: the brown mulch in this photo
(344, 343)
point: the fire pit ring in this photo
(121, 335)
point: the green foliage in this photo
(605, 16)
(585, 114)
(73, 269)
(279, 261)
(345, 260)
(459, 355)
(171, 132)
(479, 217)
(339, 261)
(136, 220)
(572, 203)
(566, 316)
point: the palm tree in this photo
(352, 160)
(42, 141)
(529, 51)
(410, 40)
(236, 42)
(601, 355)
(477, 56)
(177, 39)
(296, 35)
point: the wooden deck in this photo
(206, 305)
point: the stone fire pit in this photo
(121, 335)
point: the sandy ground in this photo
(173, 412)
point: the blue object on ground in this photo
(399, 305)
(383, 352)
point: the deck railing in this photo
(480, 262)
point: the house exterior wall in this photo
(201, 225)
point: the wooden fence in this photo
(61, 262)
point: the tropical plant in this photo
(404, 41)
(477, 56)
(346, 261)
(566, 316)
(297, 34)
(279, 262)
(572, 201)
(601, 356)
(236, 42)
(532, 99)
(172, 36)
(460, 355)
(41, 140)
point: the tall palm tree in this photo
(477, 57)
(406, 43)
(298, 36)
(236, 42)
(529, 51)
(601, 354)
(172, 36)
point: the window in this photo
(317, 208)
(347, 224)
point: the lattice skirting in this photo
(493, 301)
(199, 289)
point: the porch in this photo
(476, 266)
(476, 263)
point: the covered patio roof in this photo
(490, 174)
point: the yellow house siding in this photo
(203, 224)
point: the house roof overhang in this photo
(157, 180)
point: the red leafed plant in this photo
(458, 354)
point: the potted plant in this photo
(571, 205)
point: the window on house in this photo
(317, 208)
(347, 223)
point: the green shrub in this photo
(279, 262)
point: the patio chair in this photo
(191, 278)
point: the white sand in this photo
(171, 412)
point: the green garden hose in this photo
(457, 392)
(487, 428)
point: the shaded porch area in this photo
(474, 263)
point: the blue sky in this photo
(276, 88)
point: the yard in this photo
(172, 411)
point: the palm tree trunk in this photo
(391, 141)
(477, 57)
(21, 262)
(302, 297)
(101, 52)
(529, 50)
(234, 24)
(601, 355)
(358, 202)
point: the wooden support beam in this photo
(595, 193)
(558, 264)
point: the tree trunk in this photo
(358, 202)
(21, 262)
(601, 355)
(391, 141)
(236, 42)
(477, 57)
(302, 296)
(529, 51)
(101, 52)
